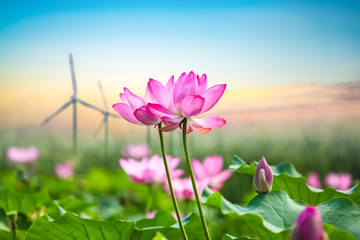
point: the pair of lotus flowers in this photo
(338, 181)
(308, 224)
(188, 97)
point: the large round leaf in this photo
(272, 215)
(71, 227)
(286, 178)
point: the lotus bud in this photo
(263, 178)
(309, 226)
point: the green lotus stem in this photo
(173, 198)
(13, 229)
(149, 200)
(12, 216)
(171, 143)
(187, 156)
(106, 143)
(148, 136)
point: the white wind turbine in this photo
(73, 100)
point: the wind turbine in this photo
(105, 121)
(73, 100)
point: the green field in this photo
(318, 145)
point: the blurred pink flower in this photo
(174, 215)
(153, 213)
(211, 172)
(308, 226)
(135, 151)
(341, 181)
(183, 188)
(187, 98)
(64, 170)
(313, 180)
(150, 170)
(263, 178)
(22, 155)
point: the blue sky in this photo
(245, 44)
(242, 43)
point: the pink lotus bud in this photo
(308, 226)
(263, 178)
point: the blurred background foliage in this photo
(318, 145)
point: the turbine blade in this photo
(113, 115)
(103, 96)
(72, 74)
(97, 109)
(56, 113)
(91, 106)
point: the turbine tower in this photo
(105, 121)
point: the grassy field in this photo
(317, 145)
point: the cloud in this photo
(292, 102)
(350, 91)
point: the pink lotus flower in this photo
(135, 151)
(64, 170)
(187, 98)
(183, 188)
(210, 172)
(313, 180)
(263, 178)
(308, 226)
(150, 170)
(134, 109)
(22, 155)
(341, 181)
